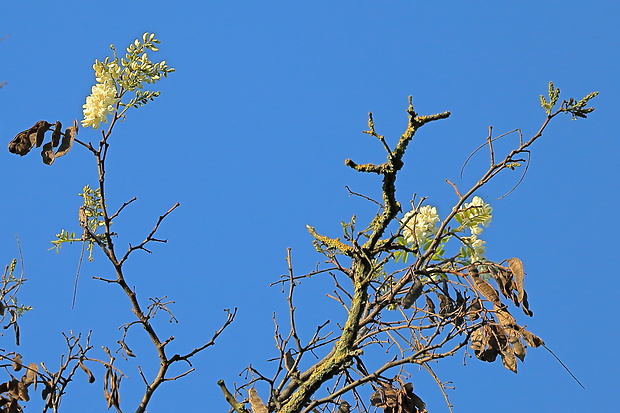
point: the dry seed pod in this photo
(24, 141)
(413, 294)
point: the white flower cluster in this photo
(420, 224)
(102, 98)
(476, 247)
(474, 216)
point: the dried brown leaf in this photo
(518, 348)
(516, 267)
(14, 407)
(30, 376)
(509, 361)
(504, 317)
(526, 306)
(17, 362)
(531, 339)
(487, 290)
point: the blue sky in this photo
(250, 134)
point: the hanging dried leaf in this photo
(531, 339)
(255, 401)
(509, 361)
(413, 294)
(526, 306)
(517, 347)
(18, 390)
(504, 317)
(30, 376)
(503, 279)
(14, 407)
(484, 343)
(17, 362)
(487, 290)
(516, 266)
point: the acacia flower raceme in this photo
(476, 247)
(420, 224)
(101, 101)
(475, 214)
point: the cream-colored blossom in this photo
(101, 101)
(474, 214)
(420, 224)
(476, 247)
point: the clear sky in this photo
(250, 134)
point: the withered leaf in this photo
(504, 281)
(413, 294)
(504, 317)
(509, 361)
(2, 308)
(17, 362)
(518, 348)
(256, 402)
(376, 399)
(531, 339)
(516, 266)
(4, 387)
(30, 376)
(14, 407)
(487, 291)
(46, 391)
(22, 392)
(18, 390)
(526, 305)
